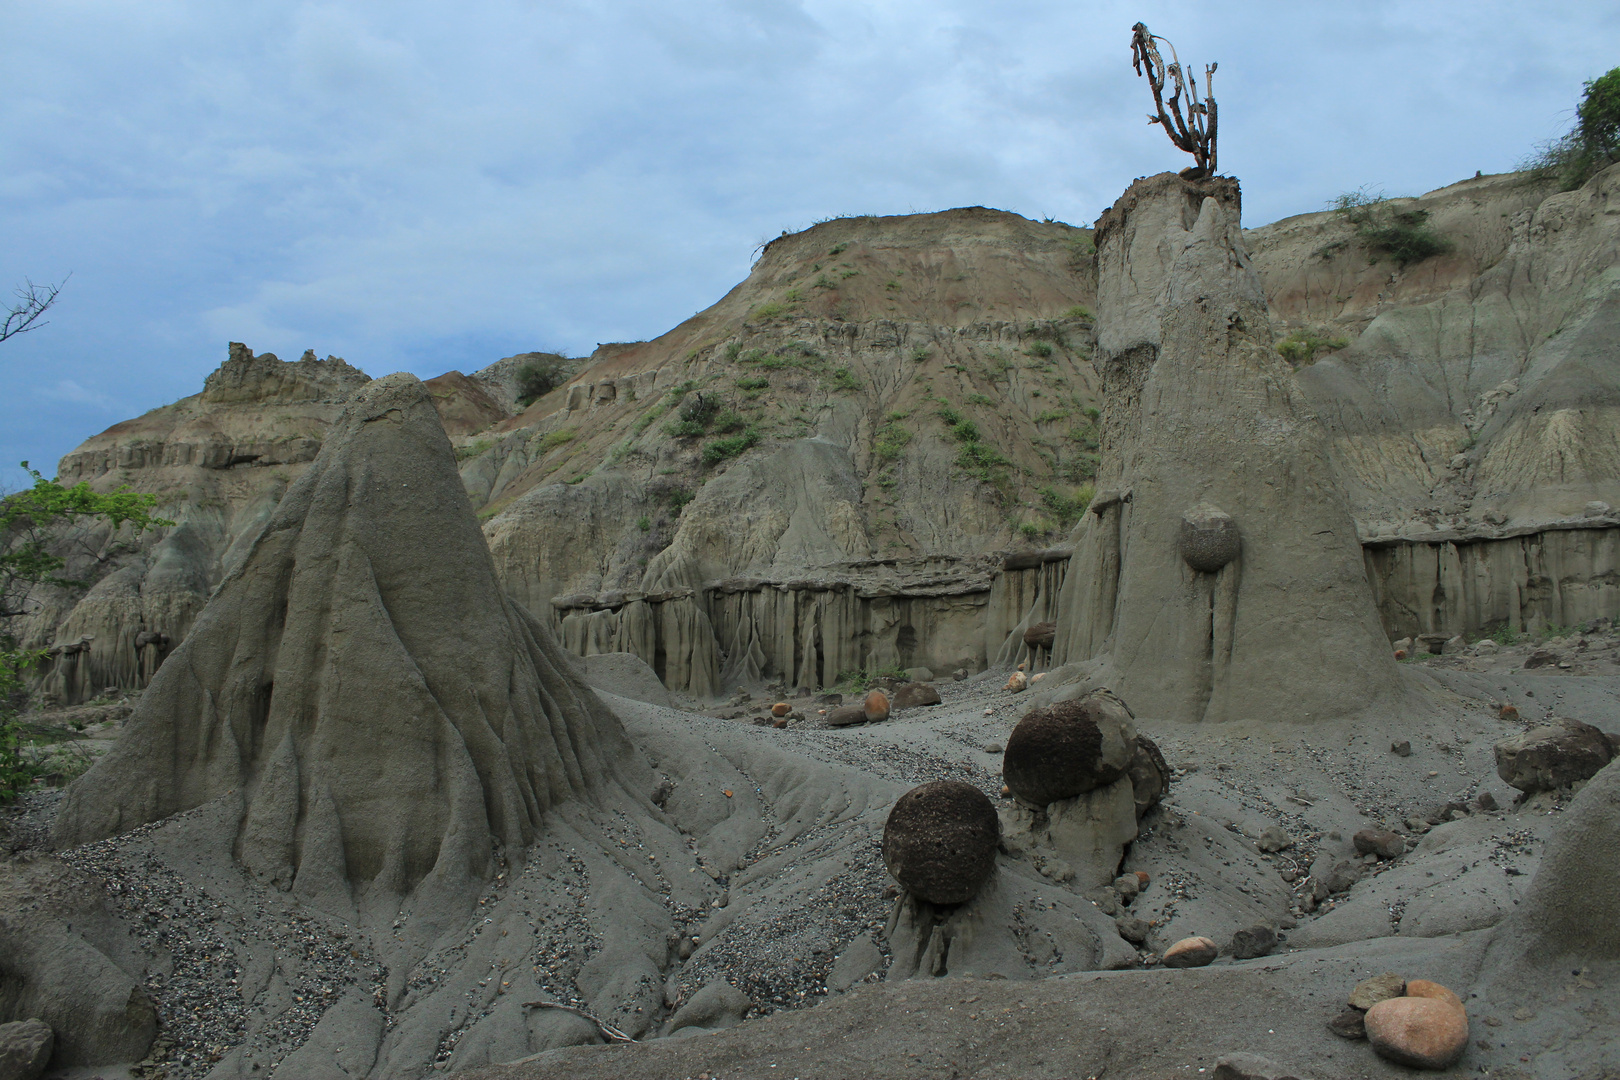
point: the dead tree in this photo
(32, 302)
(1194, 132)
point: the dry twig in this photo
(1195, 132)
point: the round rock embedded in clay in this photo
(1069, 748)
(940, 841)
(1209, 538)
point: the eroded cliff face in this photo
(870, 452)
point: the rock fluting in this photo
(361, 691)
(940, 841)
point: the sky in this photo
(428, 186)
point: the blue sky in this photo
(424, 186)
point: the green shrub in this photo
(891, 439)
(980, 459)
(980, 399)
(644, 523)
(753, 382)
(699, 409)
(767, 312)
(1593, 144)
(965, 431)
(1039, 348)
(684, 429)
(1301, 346)
(838, 248)
(1400, 234)
(720, 449)
(893, 285)
(1032, 531)
(1092, 412)
(825, 282)
(949, 415)
(1081, 250)
(729, 420)
(848, 272)
(1080, 312)
(553, 439)
(537, 378)
(920, 353)
(1068, 508)
(793, 296)
(647, 418)
(1052, 416)
(844, 379)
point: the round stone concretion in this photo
(1069, 748)
(940, 841)
(1209, 538)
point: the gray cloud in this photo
(426, 187)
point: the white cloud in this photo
(419, 185)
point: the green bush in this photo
(980, 399)
(644, 523)
(891, 440)
(843, 379)
(1039, 348)
(729, 420)
(1081, 251)
(753, 382)
(1051, 416)
(1079, 311)
(553, 439)
(1593, 144)
(920, 353)
(684, 429)
(537, 378)
(825, 282)
(1068, 508)
(767, 312)
(1301, 346)
(721, 449)
(838, 249)
(1032, 531)
(1386, 231)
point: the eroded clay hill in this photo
(873, 451)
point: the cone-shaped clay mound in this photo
(362, 687)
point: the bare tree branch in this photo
(33, 301)
(1195, 131)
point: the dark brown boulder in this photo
(1069, 748)
(1554, 756)
(1041, 635)
(845, 715)
(912, 695)
(1150, 776)
(940, 841)
(1209, 538)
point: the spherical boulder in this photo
(1017, 682)
(1209, 538)
(1190, 952)
(781, 708)
(875, 706)
(940, 841)
(1423, 1032)
(1069, 748)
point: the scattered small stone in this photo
(993, 748)
(959, 674)
(1132, 929)
(1350, 1024)
(1142, 879)
(1424, 1032)
(1273, 838)
(1369, 992)
(1254, 942)
(1381, 842)
(1485, 801)
(1190, 952)
(1540, 658)
(1402, 748)
(780, 722)
(1508, 712)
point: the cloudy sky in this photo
(427, 186)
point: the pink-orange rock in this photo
(1423, 988)
(876, 706)
(781, 708)
(1423, 1032)
(1016, 682)
(1190, 952)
